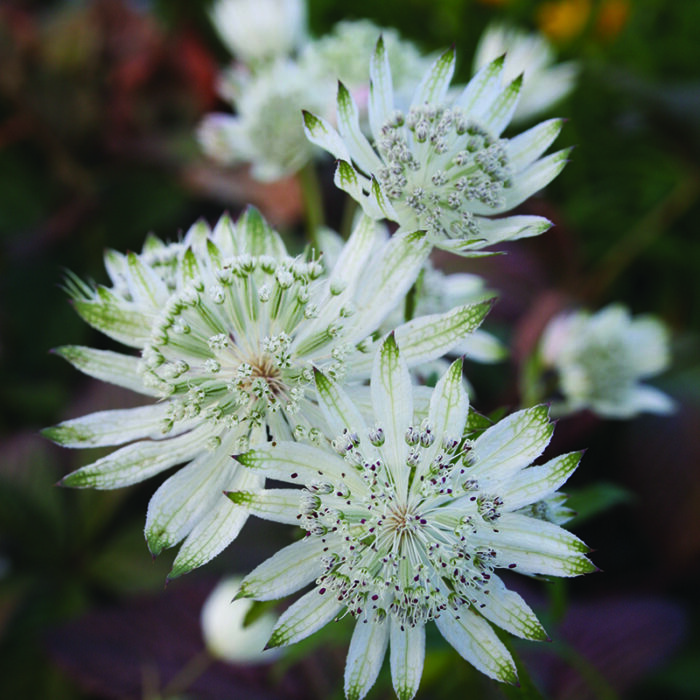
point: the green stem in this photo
(313, 202)
(188, 674)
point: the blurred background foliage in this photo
(98, 104)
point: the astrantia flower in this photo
(341, 55)
(600, 359)
(230, 328)
(409, 523)
(266, 130)
(256, 30)
(441, 167)
(544, 84)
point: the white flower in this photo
(230, 328)
(267, 129)
(529, 54)
(442, 167)
(341, 55)
(223, 631)
(256, 30)
(600, 358)
(409, 523)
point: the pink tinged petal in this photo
(183, 499)
(508, 610)
(216, 530)
(483, 88)
(537, 482)
(497, 117)
(299, 464)
(320, 132)
(433, 87)
(285, 572)
(349, 126)
(278, 505)
(407, 656)
(513, 443)
(365, 657)
(139, 461)
(106, 428)
(474, 640)
(392, 400)
(381, 92)
(428, 337)
(524, 149)
(304, 617)
(107, 366)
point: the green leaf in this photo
(596, 499)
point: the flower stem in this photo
(313, 202)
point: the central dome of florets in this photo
(437, 163)
(408, 549)
(224, 348)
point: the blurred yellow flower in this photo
(561, 20)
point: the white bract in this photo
(408, 522)
(222, 621)
(256, 30)
(531, 55)
(600, 359)
(442, 167)
(267, 129)
(230, 328)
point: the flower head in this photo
(441, 166)
(341, 55)
(600, 358)
(267, 130)
(531, 54)
(409, 523)
(256, 30)
(230, 328)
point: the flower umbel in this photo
(409, 522)
(441, 166)
(230, 328)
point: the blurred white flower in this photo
(256, 30)
(544, 84)
(267, 130)
(600, 359)
(342, 55)
(222, 627)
